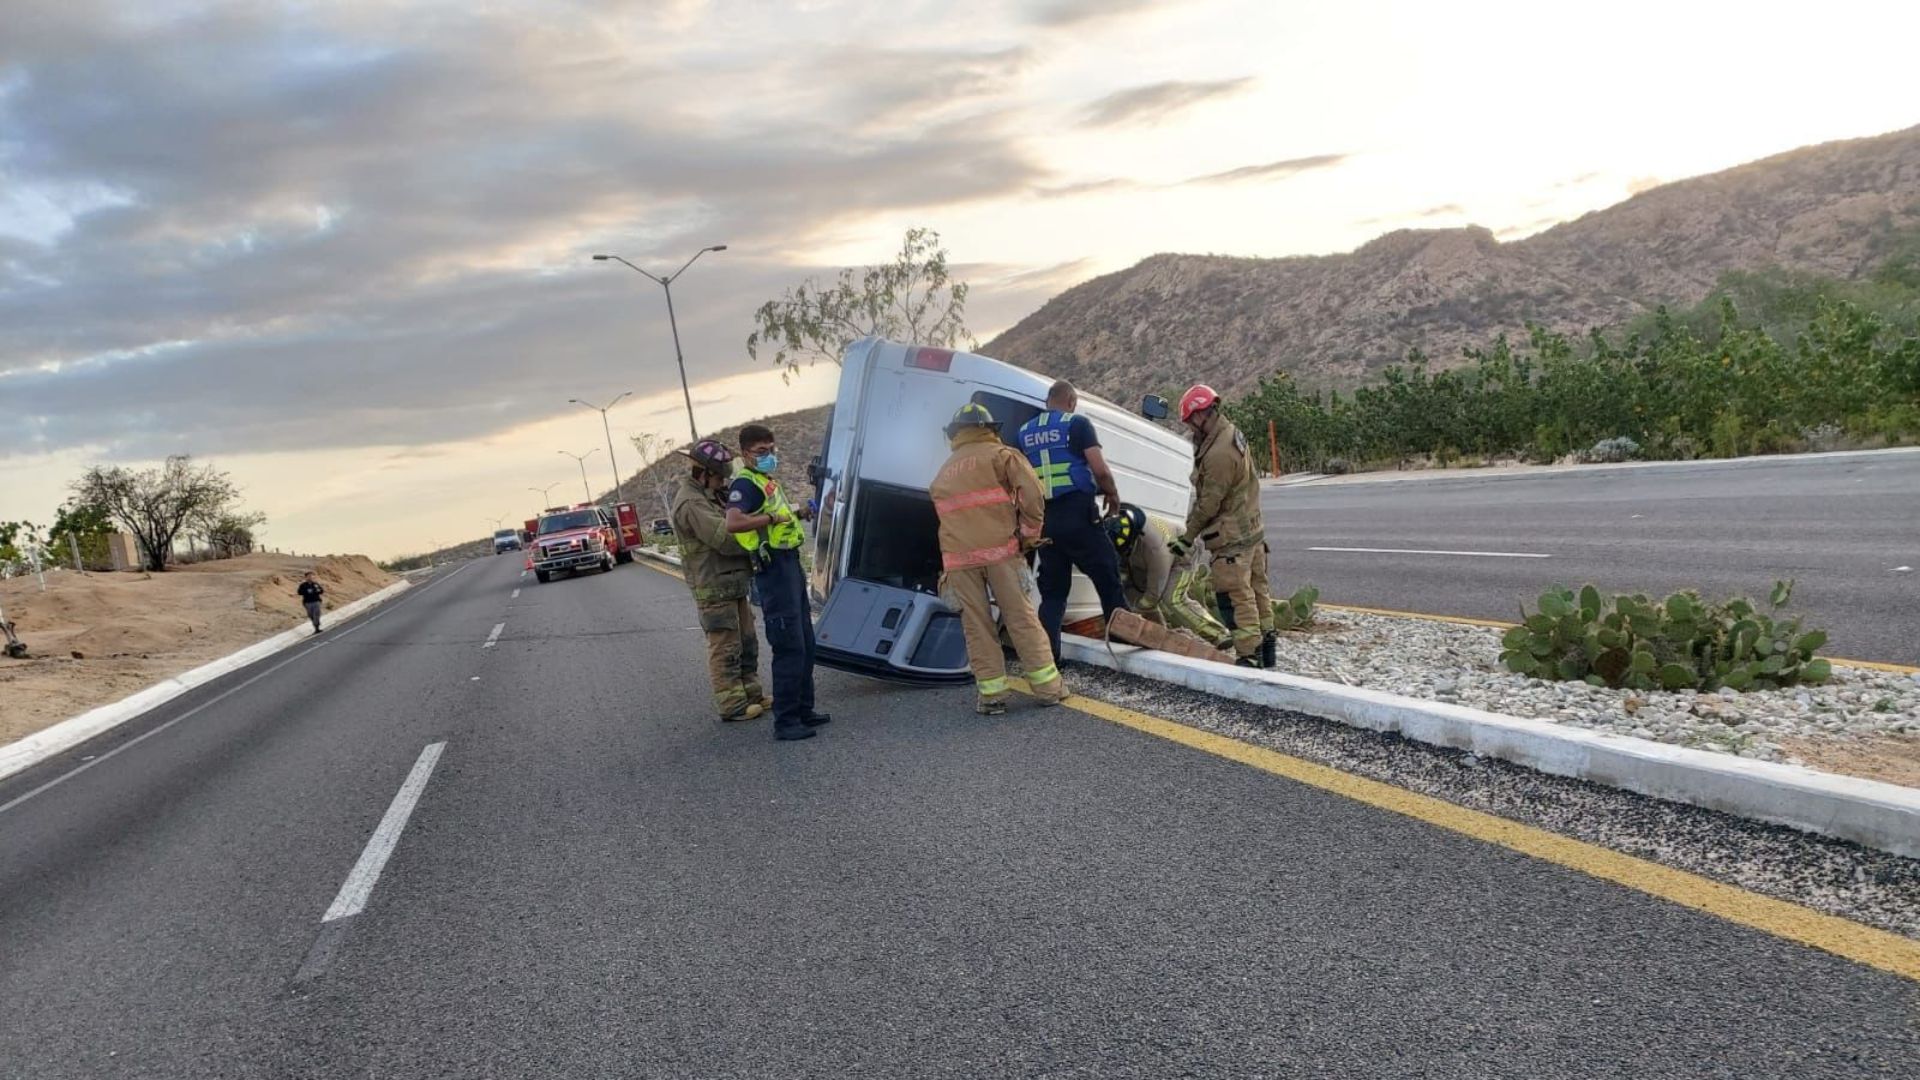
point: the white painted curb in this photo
(667, 557)
(1868, 812)
(71, 732)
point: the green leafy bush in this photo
(1747, 370)
(1680, 643)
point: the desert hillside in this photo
(96, 638)
(1335, 319)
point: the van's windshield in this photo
(1009, 412)
(896, 538)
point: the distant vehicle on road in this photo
(506, 540)
(583, 536)
(662, 527)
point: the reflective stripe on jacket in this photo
(988, 499)
(1049, 448)
(781, 536)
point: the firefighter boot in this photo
(1270, 649)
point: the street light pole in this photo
(666, 283)
(544, 498)
(611, 462)
(581, 460)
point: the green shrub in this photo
(1680, 643)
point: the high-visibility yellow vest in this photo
(781, 536)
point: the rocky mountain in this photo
(798, 434)
(1336, 319)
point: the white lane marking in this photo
(366, 873)
(223, 695)
(145, 735)
(1422, 551)
(515, 596)
(495, 635)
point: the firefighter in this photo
(1225, 516)
(1064, 450)
(990, 506)
(717, 570)
(768, 528)
(1160, 584)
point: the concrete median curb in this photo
(24, 754)
(1867, 812)
(667, 557)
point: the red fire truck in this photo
(582, 537)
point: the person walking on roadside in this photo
(310, 593)
(1159, 583)
(768, 529)
(989, 502)
(717, 570)
(1064, 451)
(1225, 516)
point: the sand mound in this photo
(133, 629)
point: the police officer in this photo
(1160, 585)
(717, 570)
(989, 503)
(1064, 451)
(768, 528)
(1225, 516)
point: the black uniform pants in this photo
(788, 615)
(1078, 543)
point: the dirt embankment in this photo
(97, 638)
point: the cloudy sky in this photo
(342, 249)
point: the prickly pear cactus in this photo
(1679, 643)
(1296, 612)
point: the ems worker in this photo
(1065, 453)
(989, 502)
(717, 570)
(1159, 583)
(768, 528)
(1225, 516)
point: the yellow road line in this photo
(1879, 949)
(1871, 665)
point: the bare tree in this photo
(156, 504)
(911, 299)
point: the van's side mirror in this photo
(1154, 407)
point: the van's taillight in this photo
(931, 359)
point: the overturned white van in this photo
(876, 556)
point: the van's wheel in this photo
(542, 576)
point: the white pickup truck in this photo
(876, 554)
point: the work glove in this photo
(1179, 545)
(1148, 602)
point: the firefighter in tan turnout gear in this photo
(991, 507)
(1160, 584)
(717, 570)
(1225, 516)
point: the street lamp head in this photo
(601, 258)
(718, 247)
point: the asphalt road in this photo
(600, 880)
(1838, 525)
